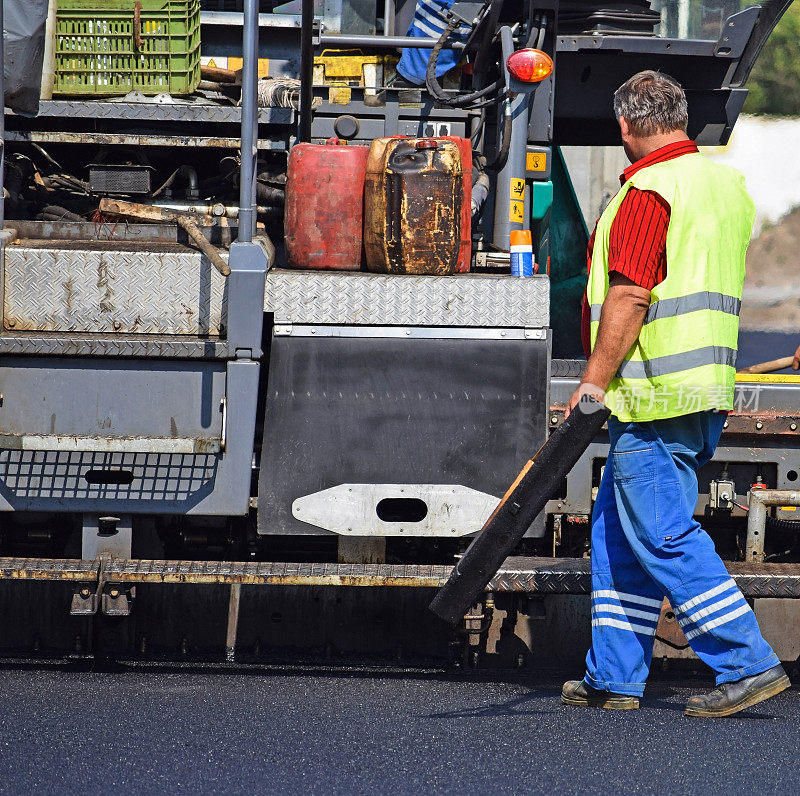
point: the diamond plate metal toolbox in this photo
(338, 297)
(66, 286)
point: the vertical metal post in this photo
(388, 17)
(756, 525)
(758, 501)
(306, 70)
(2, 118)
(504, 219)
(247, 177)
(233, 621)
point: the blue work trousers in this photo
(646, 545)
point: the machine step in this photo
(518, 574)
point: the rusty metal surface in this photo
(117, 230)
(764, 424)
(286, 574)
(412, 207)
(668, 630)
(69, 286)
(132, 140)
(523, 575)
(189, 112)
(49, 569)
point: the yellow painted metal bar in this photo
(768, 378)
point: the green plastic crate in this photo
(97, 52)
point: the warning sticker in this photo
(263, 66)
(516, 212)
(536, 161)
(517, 188)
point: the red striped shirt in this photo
(638, 236)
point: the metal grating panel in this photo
(145, 289)
(60, 475)
(341, 297)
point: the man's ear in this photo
(624, 127)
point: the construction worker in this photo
(663, 296)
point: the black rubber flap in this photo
(525, 499)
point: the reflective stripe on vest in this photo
(675, 363)
(668, 308)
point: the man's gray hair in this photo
(651, 103)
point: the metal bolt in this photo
(793, 427)
(725, 424)
(408, 332)
(759, 425)
(11, 322)
(85, 593)
(114, 593)
(117, 326)
(554, 419)
(502, 334)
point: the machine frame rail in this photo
(517, 575)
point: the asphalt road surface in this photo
(346, 732)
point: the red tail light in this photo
(529, 65)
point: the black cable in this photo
(502, 156)
(435, 88)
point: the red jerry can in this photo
(323, 219)
(465, 249)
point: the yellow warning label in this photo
(516, 212)
(263, 65)
(788, 508)
(536, 161)
(517, 188)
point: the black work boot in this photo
(730, 698)
(577, 692)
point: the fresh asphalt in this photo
(359, 732)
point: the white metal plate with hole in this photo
(352, 509)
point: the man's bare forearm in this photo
(621, 321)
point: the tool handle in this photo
(769, 367)
(193, 231)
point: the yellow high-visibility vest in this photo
(684, 360)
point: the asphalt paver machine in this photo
(203, 449)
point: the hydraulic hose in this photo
(502, 156)
(435, 88)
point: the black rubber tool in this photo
(523, 501)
